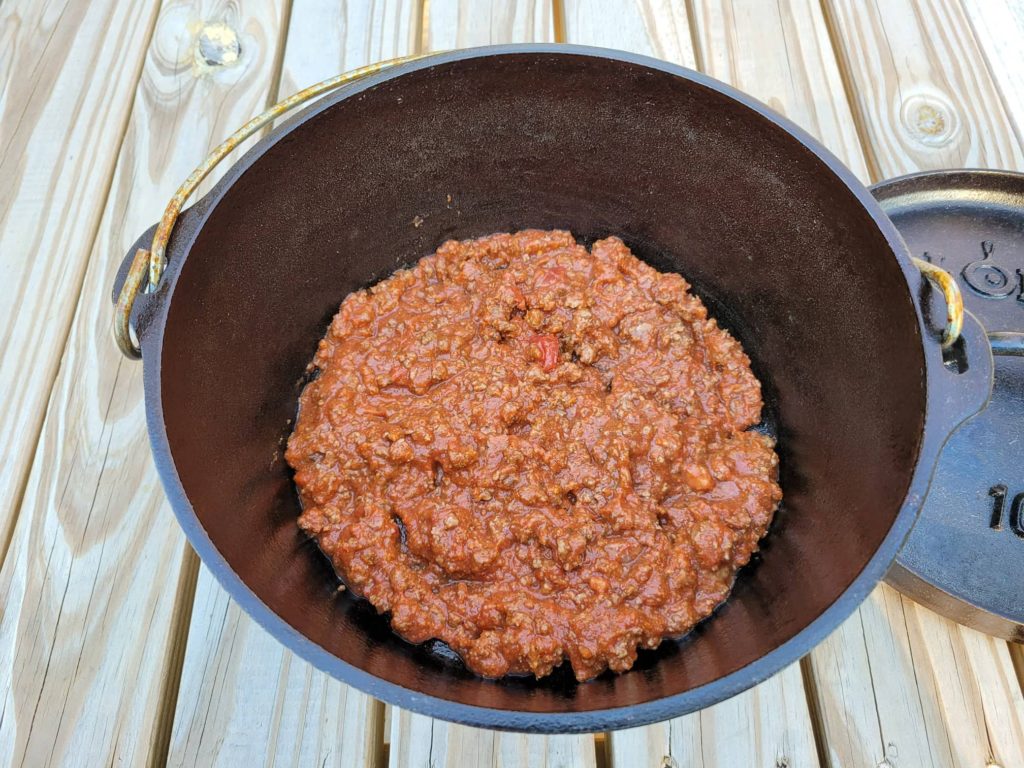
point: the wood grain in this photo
(421, 742)
(999, 27)
(906, 685)
(768, 725)
(464, 23)
(923, 93)
(932, 695)
(874, 698)
(781, 53)
(97, 585)
(659, 28)
(975, 690)
(899, 682)
(326, 37)
(67, 74)
(244, 699)
(1017, 655)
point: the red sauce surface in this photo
(534, 453)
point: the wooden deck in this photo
(117, 647)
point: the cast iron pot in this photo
(787, 248)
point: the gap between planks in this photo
(557, 20)
(424, 35)
(817, 721)
(378, 720)
(42, 625)
(698, 50)
(850, 91)
(423, 32)
(181, 619)
(1017, 657)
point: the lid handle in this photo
(954, 299)
(1007, 343)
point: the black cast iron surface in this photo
(965, 556)
(786, 247)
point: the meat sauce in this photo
(534, 453)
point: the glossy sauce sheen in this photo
(534, 453)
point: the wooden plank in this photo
(421, 742)
(659, 28)
(243, 697)
(875, 697)
(416, 740)
(97, 585)
(1017, 654)
(770, 724)
(464, 24)
(325, 38)
(899, 682)
(60, 129)
(907, 685)
(245, 700)
(781, 54)
(999, 27)
(924, 96)
(932, 695)
(975, 689)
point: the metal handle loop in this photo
(954, 299)
(155, 257)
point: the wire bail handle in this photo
(154, 260)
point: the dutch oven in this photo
(864, 376)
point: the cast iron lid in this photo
(964, 557)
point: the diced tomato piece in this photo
(547, 346)
(551, 277)
(518, 296)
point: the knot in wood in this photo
(216, 45)
(930, 120)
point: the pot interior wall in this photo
(693, 181)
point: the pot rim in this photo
(932, 437)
